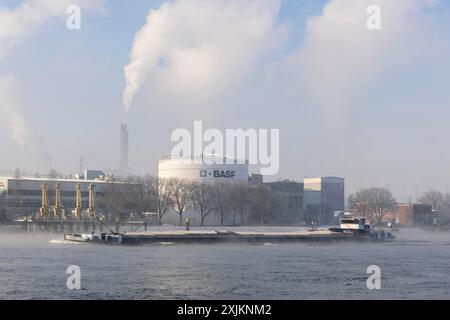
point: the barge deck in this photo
(351, 229)
(230, 236)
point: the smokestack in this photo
(123, 157)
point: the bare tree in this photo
(164, 193)
(181, 196)
(239, 201)
(433, 198)
(115, 200)
(221, 200)
(439, 202)
(264, 204)
(372, 202)
(142, 193)
(202, 200)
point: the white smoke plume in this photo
(19, 22)
(16, 24)
(340, 56)
(199, 47)
(20, 128)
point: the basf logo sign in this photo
(217, 174)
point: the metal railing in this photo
(223, 159)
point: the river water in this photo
(415, 266)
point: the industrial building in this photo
(203, 168)
(291, 195)
(24, 195)
(408, 214)
(324, 196)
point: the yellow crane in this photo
(44, 205)
(57, 210)
(78, 209)
(91, 208)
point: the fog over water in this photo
(413, 266)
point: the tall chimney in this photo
(123, 157)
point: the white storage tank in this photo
(203, 168)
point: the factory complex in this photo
(83, 196)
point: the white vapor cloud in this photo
(19, 22)
(20, 128)
(348, 73)
(200, 48)
(340, 57)
(16, 24)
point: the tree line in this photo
(374, 202)
(234, 203)
(439, 202)
(231, 203)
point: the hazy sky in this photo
(368, 105)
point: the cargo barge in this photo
(350, 229)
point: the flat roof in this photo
(323, 179)
(58, 179)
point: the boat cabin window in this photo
(350, 221)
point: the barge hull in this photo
(142, 238)
(230, 236)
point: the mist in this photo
(17, 124)
(17, 24)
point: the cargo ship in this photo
(351, 228)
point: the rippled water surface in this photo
(416, 265)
